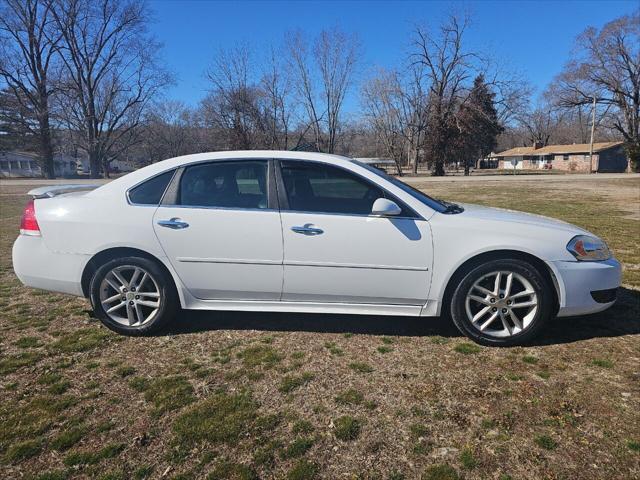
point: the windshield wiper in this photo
(451, 207)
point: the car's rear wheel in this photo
(502, 302)
(133, 296)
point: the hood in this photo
(511, 216)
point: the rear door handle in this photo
(175, 224)
(308, 229)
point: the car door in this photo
(220, 228)
(335, 251)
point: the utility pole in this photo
(593, 129)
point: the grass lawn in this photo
(251, 395)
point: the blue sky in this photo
(532, 37)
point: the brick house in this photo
(607, 157)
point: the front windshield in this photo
(432, 203)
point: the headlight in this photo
(588, 249)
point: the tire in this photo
(133, 296)
(516, 320)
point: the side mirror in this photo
(384, 208)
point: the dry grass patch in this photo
(166, 394)
(289, 383)
(361, 367)
(221, 418)
(81, 340)
(236, 401)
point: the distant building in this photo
(384, 164)
(607, 157)
(115, 166)
(25, 164)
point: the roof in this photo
(164, 165)
(557, 149)
(15, 154)
(21, 155)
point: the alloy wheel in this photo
(130, 295)
(501, 304)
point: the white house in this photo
(25, 164)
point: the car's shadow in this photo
(621, 319)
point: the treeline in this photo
(85, 77)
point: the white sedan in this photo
(305, 232)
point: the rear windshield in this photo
(414, 192)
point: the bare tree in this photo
(28, 52)
(168, 131)
(606, 66)
(323, 76)
(448, 67)
(540, 124)
(234, 102)
(382, 104)
(276, 87)
(111, 73)
(395, 106)
(512, 92)
(414, 112)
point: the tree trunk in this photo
(46, 149)
(399, 168)
(94, 163)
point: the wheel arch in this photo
(503, 254)
(104, 256)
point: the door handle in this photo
(308, 229)
(175, 224)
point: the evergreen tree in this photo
(478, 124)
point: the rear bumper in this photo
(38, 267)
(577, 281)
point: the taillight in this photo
(29, 224)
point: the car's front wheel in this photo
(133, 295)
(502, 302)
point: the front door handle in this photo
(308, 229)
(175, 224)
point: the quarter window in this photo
(151, 191)
(323, 188)
(225, 184)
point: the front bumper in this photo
(37, 266)
(576, 281)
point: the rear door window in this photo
(225, 185)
